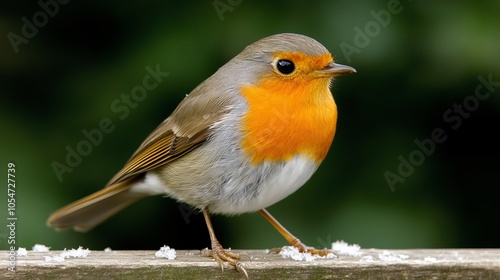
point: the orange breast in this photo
(288, 118)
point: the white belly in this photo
(283, 182)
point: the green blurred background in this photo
(412, 69)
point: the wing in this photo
(186, 129)
(162, 150)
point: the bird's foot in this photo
(306, 249)
(222, 255)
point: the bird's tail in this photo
(86, 213)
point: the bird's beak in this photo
(334, 69)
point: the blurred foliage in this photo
(412, 68)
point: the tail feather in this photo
(86, 213)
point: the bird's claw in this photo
(222, 255)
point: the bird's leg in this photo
(218, 252)
(294, 241)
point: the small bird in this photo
(245, 138)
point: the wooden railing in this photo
(370, 264)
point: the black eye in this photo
(285, 66)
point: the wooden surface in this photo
(371, 264)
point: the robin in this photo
(245, 138)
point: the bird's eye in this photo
(285, 66)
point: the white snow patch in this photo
(72, 253)
(40, 248)
(430, 259)
(166, 252)
(343, 248)
(387, 256)
(290, 252)
(22, 252)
